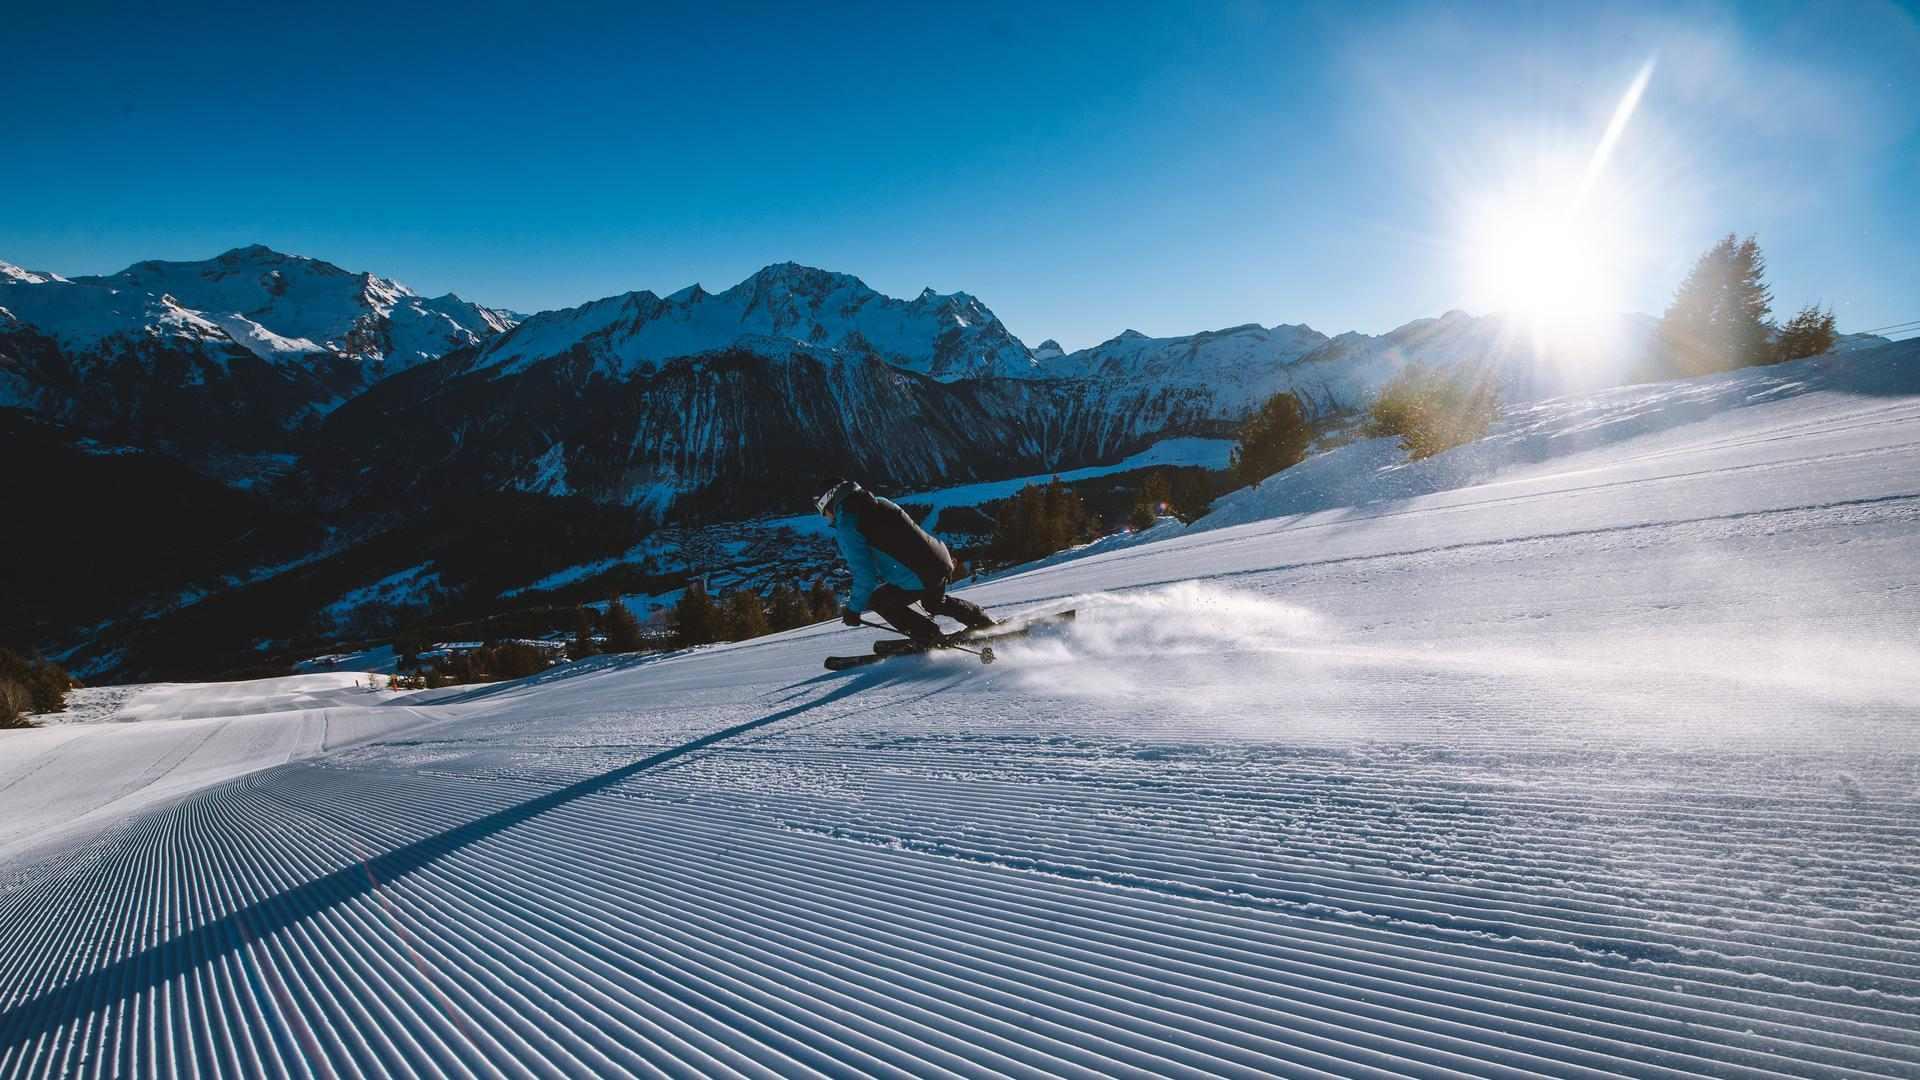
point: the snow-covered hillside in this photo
(1596, 764)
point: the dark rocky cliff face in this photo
(190, 398)
(733, 433)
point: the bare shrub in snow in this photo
(44, 682)
(1432, 411)
(14, 703)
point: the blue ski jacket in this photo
(877, 538)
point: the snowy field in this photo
(1606, 760)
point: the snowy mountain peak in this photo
(166, 345)
(10, 272)
(835, 315)
(1049, 350)
(292, 304)
(791, 278)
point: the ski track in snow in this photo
(1603, 768)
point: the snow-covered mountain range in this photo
(231, 350)
(947, 337)
(689, 403)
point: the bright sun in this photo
(1543, 261)
(1550, 246)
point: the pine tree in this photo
(1192, 494)
(1040, 520)
(1272, 439)
(1151, 502)
(789, 608)
(696, 618)
(745, 617)
(409, 643)
(623, 630)
(1718, 318)
(1809, 333)
(582, 645)
(823, 600)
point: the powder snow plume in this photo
(1233, 659)
(1199, 647)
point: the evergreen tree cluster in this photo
(1809, 333)
(1718, 319)
(623, 630)
(700, 618)
(1431, 410)
(1274, 438)
(488, 663)
(1184, 493)
(1038, 521)
(582, 644)
(30, 686)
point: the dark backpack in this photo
(889, 529)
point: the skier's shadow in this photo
(100, 990)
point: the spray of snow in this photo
(1227, 658)
(1205, 649)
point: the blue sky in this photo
(1168, 168)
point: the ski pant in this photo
(895, 604)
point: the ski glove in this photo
(849, 616)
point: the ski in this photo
(842, 663)
(887, 648)
(1000, 632)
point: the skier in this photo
(895, 564)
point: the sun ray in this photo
(1616, 127)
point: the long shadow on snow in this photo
(122, 979)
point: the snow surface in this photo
(1603, 765)
(118, 750)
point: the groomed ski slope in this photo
(1608, 764)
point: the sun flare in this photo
(1544, 261)
(1548, 245)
